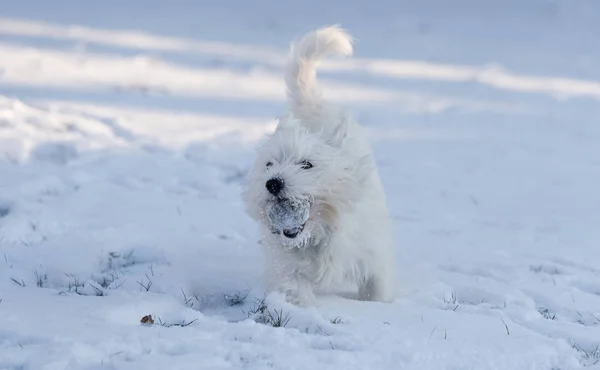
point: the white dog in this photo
(316, 191)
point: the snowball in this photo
(287, 214)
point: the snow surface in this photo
(126, 129)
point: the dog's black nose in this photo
(275, 185)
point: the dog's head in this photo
(304, 178)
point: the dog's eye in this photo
(269, 164)
(305, 165)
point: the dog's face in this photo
(302, 180)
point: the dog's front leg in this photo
(298, 290)
(289, 273)
(378, 285)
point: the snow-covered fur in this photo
(319, 159)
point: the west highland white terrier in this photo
(316, 191)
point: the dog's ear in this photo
(339, 132)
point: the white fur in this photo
(347, 236)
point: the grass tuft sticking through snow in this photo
(182, 324)
(336, 320)
(262, 314)
(187, 301)
(19, 283)
(589, 356)
(546, 313)
(75, 285)
(40, 279)
(236, 299)
(452, 299)
(144, 287)
(97, 290)
(107, 280)
(505, 326)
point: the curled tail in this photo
(300, 72)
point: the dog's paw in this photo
(300, 298)
(300, 301)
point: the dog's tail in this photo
(300, 73)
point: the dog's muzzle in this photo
(288, 217)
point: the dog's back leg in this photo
(376, 287)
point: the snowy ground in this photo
(126, 129)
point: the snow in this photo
(126, 129)
(287, 215)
